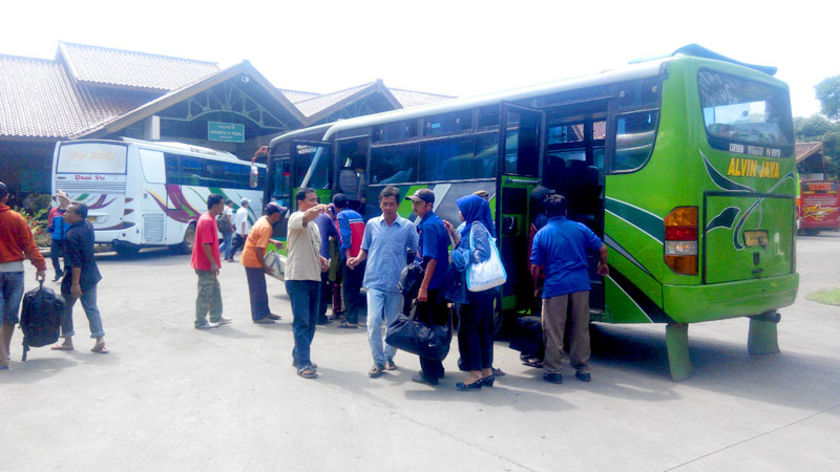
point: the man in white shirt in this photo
(241, 225)
(303, 276)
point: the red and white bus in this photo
(819, 208)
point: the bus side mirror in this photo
(255, 176)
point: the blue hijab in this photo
(475, 208)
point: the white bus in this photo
(143, 194)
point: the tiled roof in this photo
(295, 96)
(413, 98)
(38, 99)
(130, 69)
(314, 105)
(805, 150)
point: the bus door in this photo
(573, 166)
(311, 167)
(521, 134)
(155, 198)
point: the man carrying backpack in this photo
(16, 243)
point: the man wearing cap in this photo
(241, 225)
(253, 258)
(434, 256)
(16, 244)
(387, 241)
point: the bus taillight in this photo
(681, 240)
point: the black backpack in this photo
(40, 318)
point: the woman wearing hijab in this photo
(475, 335)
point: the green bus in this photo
(684, 165)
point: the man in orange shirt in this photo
(15, 242)
(253, 258)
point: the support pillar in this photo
(763, 337)
(676, 341)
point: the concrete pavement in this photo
(169, 397)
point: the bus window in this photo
(153, 166)
(305, 155)
(393, 164)
(450, 159)
(565, 134)
(634, 137)
(736, 110)
(392, 132)
(450, 123)
(522, 138)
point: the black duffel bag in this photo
(410, 335)
(40, 317)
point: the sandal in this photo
(307, 372)
(533, 362)
(376, 372)
(389, 365)
(347, 325)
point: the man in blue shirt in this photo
(351, 230)
(386, 242)
(434, 255)
(559, 252)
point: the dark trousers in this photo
(353, 298)
(56, 251)
(258, 292)
(432, 312)
(475, 335)
(325, 297)
(238, 243)
(304, 295)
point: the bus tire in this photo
(186, 245)
(125, 250)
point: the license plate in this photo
(757, 238)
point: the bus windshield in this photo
(91, 158)
(738, 112)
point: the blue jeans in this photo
(11, 293)
(227, 245)
(91, 311)
(382, 307)
(304, 295)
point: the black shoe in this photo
(464, 386)
(553, 378)
(487, 381)
(422, 379)
(583, 376)
(274, 317)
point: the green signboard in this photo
(225, 132)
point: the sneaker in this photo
(553, 378)
(207, 325)
(583, 376)
(223, 320)
(422, 379)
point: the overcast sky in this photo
(452, 47)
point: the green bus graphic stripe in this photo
(645, 303)
(725, 219)
(647, 222)
(721, 181)
(620, 249)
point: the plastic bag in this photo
(487, 274)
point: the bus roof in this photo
(633, 71)
(192, 149)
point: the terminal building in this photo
(97, 92)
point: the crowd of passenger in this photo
(374, 256)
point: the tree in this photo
(828, 93)
(812, 128)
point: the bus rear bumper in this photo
(694, 303)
